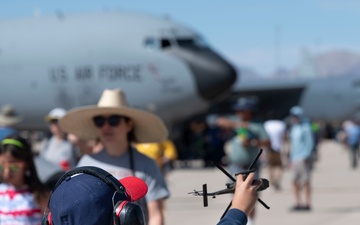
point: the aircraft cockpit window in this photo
(192, 43)
(186, 42)
(165, 43)
(151, 43)
(201, 42)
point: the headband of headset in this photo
(94, 171)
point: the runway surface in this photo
(336, 194)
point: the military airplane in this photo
(330, 100)
(67, 61)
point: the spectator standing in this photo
(57, 149)
(301, 146)
(352, 138)
(275, 129)
(164, 153)
(8, 118)
(250, 137)
(119, 126)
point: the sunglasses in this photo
(113, 120)
(12, 167)
(53, 121)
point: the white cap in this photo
(55, 114)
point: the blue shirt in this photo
(353, 134)
(233, 217)
(301, 141)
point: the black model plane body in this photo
(230, 187)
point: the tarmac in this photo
(335, 199)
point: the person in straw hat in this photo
(119, 126)
(8, 118)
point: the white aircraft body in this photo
(325, 99)
(68, 60)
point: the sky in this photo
(261, 35)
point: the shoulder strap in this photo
(132, 162)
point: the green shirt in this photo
(244, 155)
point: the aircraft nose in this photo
(213, 75)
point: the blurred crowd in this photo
(31, 162)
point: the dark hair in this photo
(131, 135)
(20, 149)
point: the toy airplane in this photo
(230, 187)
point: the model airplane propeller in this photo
(230, 187)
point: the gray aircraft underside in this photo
(324, 99)
(68, 60)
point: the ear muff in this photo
(128, 213)
(47, 219)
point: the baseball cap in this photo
(296, 111)
(86, 199)
(55, 114)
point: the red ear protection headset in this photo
(124, 212)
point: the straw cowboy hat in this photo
(79, 121)
(8, 116)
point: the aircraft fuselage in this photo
(68, 61)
